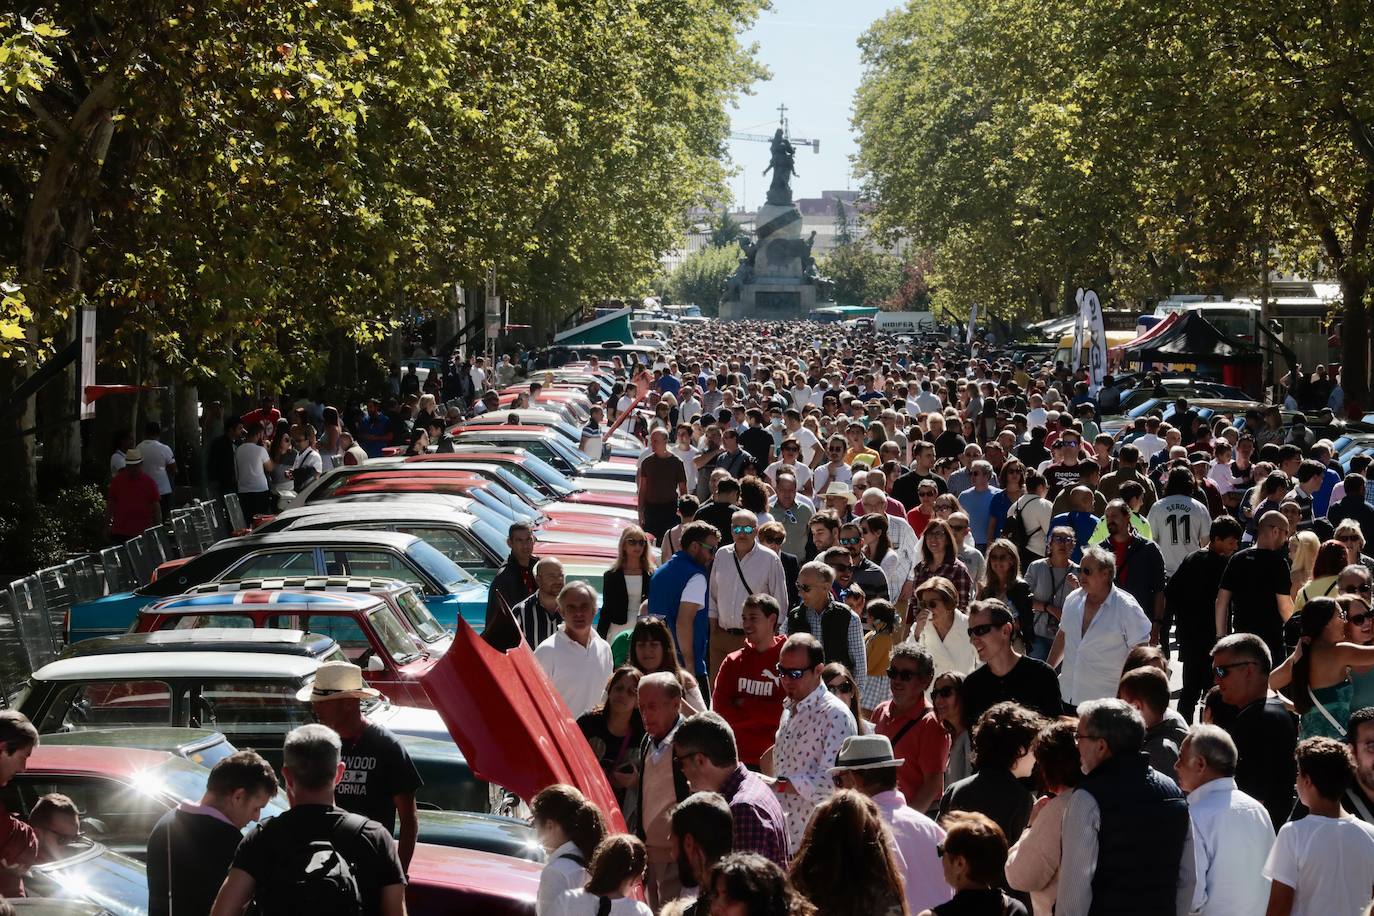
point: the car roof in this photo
(206, 639)
(156, 665)
(406, 511)
(305, 539)
(94, 760)
(245, 598)
(332, 584)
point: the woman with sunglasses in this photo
(1351, 534)
(947, 700)
(625, 584)
(652, 650)
(1002, 580)
(1319, 675)
(942, 628)
(840, 682)
(939, 557)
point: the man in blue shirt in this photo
(1080, 518)
(374, 430)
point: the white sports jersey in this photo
(1180, 525)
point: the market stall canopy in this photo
(1191, 339)
(1118, 353)
(613, 326)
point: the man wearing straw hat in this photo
(134, 502)
(379, 779)
(865, 764)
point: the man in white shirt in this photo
(159, 463)
(1094, 650)
(806, 439)
(575, 658)
(1151, 443)
(790, 452)
(478, 374)
(742, 569)
(1232, 833)
(251, 467)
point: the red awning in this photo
(1118, 354)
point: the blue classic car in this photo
(448, 590)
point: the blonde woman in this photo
(626, 584)
(1302, 558)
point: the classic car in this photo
(550, 446)
(249, 696)
(199, 745)
(122, 791)
(92, 875)
(469, 541)
(447, 590)
(620, 442)
(366, 628)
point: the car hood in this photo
(512, 726)
(408, 720)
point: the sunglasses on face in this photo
(1222, 671)
(792, 674)
(1360, 620)
(840, 687)
(901, 674)
(940, 693)
(741, 529)
(1061, 539)
(983, 629)
(849, 541)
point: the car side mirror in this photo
(375, 664)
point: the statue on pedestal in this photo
(783, 168)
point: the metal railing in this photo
(33, 610)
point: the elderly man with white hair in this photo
(1099, 626)
(899, 530)
(575, 658)
(977, 501)
(1232, 832)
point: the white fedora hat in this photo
(865, 752)
(337, 681)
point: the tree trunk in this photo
(1355, 338)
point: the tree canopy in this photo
(235, 184)
(1136, 146)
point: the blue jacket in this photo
(665, 597)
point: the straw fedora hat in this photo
(337, 681)
(132, 456)
(865, 752)
(835, 488)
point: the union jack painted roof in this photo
(283, 599)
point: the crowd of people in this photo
(898, 634)
(910, 629)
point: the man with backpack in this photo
(315, 858)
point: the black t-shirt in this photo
(1255, 578)
(611, 750)
(377, 768)
(1063, 476)
(1032, 455)
(1030, 682)
(949, 444)
(1266, 735)
(757, 441)
(188, 857)
(1191, 597)
(371, 855)
(905, 489)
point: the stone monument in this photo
(776, 277)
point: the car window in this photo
(196, 621)
(250, 710)
(448, 542)
(375, 564)
(418, 613)
(114, 813)
(104, 704)
(345, 630)
(276, 563)
(392, 635)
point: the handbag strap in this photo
(740, 569)
(1326, 713)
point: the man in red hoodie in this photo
(747, 692)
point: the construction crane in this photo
(786, 132)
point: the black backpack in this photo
(1015, 528)
(311, 875)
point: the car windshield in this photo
(185, 780)
(550, 475)
(392, 635)
(484, 528)
(517, 484)
(569, 453)
(504, 502)
(439, 567)
(417, 612)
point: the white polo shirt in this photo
(579, 673)
(1093, 660)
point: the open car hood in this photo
(511, 724)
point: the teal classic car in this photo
(449, 591)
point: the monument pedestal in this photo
(771, 301)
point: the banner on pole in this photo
(1094, 336)
(972, 322)
(87, 361)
